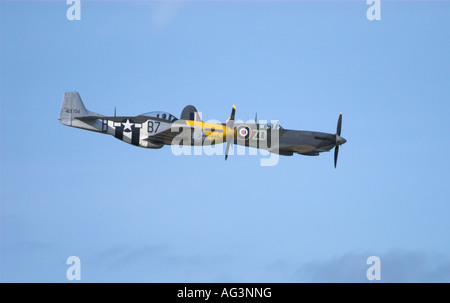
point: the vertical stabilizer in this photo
(74, 113)
(190, 113)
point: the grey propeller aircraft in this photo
(156, 129)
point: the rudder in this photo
(190, 113)
(73, 107)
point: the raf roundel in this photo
(243, 132)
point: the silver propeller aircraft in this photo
(156, 129)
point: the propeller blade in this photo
(336, 152)
(228, 147)
(233, 112)
(230, 131)
(339, 139)
(339, 125)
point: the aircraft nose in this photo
(340, 140)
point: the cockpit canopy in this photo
(162, 115)
(274, 126)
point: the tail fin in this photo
(73, 107)
(190, 113)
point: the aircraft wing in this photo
(164, 137)
(169, 131)
(183, 131)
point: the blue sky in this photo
(137, 215)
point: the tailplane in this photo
(72, 108)
(74, 113)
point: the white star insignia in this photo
(127, 125)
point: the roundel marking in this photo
(243, 132)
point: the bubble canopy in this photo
(160, 115)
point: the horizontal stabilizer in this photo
(74, 113)
(73, 107)
(89, 118)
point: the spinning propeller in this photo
(230, 131)
(339, 139)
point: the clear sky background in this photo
(137, 215)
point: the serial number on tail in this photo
(72, 111)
